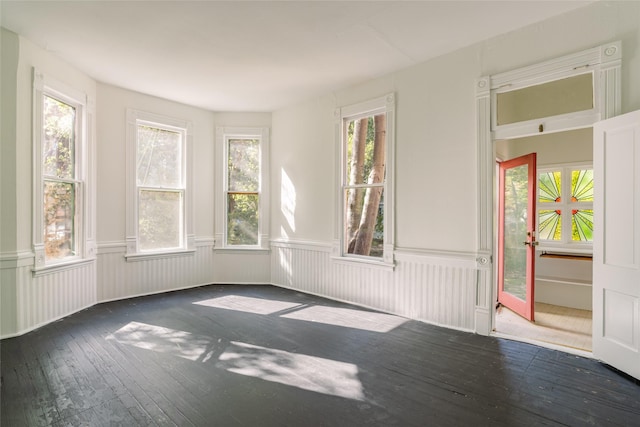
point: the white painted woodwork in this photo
(223, 135)
(616, 262)
(120, 278)
(438, 288)
(185, 128)
(387, 105)
(84, 169)
(605, 61)
(30, 301)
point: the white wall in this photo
(436, 155)
(118, 278)
(112, 106)
(29, 301)
(435, 182)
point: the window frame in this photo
(135, 118)
(566, 243)
(83, 237)
(223, 136)
(343, 115)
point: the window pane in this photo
(159, 219)
(365, 159)
(58, 145)
(550, 224)
(242, 219)
(549, 186)
(59, 218)
(364, 234)
(244, 165)
(544, 100)
(582, 185)
(159, 157)
(365, 141)
(582, 225)
(516, 195)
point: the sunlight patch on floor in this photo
(164, 340)
(311, 373)
(248, 304)
(346, 317)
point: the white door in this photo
(616, 250)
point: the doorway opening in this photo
(563, 218)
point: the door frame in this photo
(605, 62)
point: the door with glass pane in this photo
(517, 234)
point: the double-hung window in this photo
(366, 133)
(60, 184)
(565, 206)
(243, 208)
(159, 198)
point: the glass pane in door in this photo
(516, 195)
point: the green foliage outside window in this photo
(243, 187)
(59, 187)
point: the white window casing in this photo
(222, 185)
(82, 180)
(184, 189)
(343, 115)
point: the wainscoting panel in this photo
(54, 295)
(119, 278)
(433, 287)
(15, 274)
(241, 266)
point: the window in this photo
(243, 214)
(60, 184)
(158, 204)
(366, 147)
(565, 206)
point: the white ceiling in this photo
(259, 55)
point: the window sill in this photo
(365, 261)
(240, 249)
(61, 266)
(564, 249)
(142, 256)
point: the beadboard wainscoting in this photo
(438, 288)
(241, 267)
(120, 278)
(30, 300)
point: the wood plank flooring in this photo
(265, 356)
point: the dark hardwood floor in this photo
(264, 356)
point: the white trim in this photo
(84, 170)
(384, 104)
(606, 63)
(62, 266)
(460, 259)
(223, 134)
(185, 128)
(159, 255)
(603, 62)
(314, 245)
(10, 260)
(369, 261)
